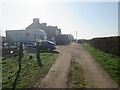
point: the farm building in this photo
(25, 35)
(52, 32)
(38, 31)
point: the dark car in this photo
(47, 45)
(43, 45)
(79, 41)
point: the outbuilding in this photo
(30, 35)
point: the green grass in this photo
(77, 76)
(30, 71)
(109, 62)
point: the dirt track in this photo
(57, 76)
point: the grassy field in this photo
(77, 76)
(109, 62)
(30, 71)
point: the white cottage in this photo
(30, 35)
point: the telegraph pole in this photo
(76, 35)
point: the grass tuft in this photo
(77, 76)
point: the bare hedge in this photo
(109, 45)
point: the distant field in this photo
(30, 71)
(109, 62)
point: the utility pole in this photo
(76, 35)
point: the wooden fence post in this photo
(38, 54)
(20, 54)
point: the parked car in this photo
(79, 41)
(44, 45)
(47, 45)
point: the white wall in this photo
(25, 35)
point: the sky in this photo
(89, 19)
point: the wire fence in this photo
(18, 51)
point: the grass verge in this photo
(77, 76)
(108, 62)
(30, 71)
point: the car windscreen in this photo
(51, 42)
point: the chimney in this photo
(36, 20)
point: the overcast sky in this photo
(90, 19)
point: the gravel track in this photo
(58, 74)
